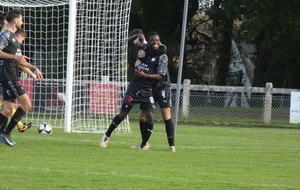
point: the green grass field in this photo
(206, 158)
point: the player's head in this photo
(153, 40)
(140, 34)
(15, 17)
(136, 31)
(21, 35)
(3, 21)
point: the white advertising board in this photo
(295, 107)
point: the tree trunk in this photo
(221, 49)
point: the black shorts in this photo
(12, 90)
(1, 90)
(133, 97)
(162, 96)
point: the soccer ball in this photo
(45, 128)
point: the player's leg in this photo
(125, 109)
(142, 123)
(1, 95)
(13, 90)
(114, 124)
(21, 126)
(166, 114)
(163, 97)
(4, 117)
(20, 112)
(147, 105)
(148, 128)
(1, 101)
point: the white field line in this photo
(272, 146)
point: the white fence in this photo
(232, 104)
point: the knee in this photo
(149, 118)
(143, 117)
(122, 115)
(26, 107)
(166, 113)
(7, 112)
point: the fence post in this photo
(268, 103)
(186, 98)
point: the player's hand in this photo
(39, 74)
(137, 63)
(140, 73)
(142, 39)
(21, 58)
(33, 76)
(141, 54)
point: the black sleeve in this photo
(161, 50)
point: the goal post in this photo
(70, 67)
(81, 47)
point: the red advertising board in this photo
(103, 98)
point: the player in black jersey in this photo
(139, 91)
(21, 37)
(161, 88)
(10, 61)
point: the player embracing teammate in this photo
(152, 56)
(161, 89)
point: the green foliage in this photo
(274, 27)
(164, 17)
(206, 158)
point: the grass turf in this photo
(206, 158)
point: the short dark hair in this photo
(136, 31)
(11, 15)
(2, 18)
(21, 32)
(152, 34)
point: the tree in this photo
(164, 17)
(273, 26)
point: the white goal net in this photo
(99, 61)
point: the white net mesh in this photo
(100, 61)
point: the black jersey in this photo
(163, 63)
(9, 68)
(149, 66)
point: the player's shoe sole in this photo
(6, 139)
(104, 141)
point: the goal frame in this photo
(107, 19)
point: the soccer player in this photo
(139, 91)
(3, 22)
(137, 35)
(10, 61)
(161, 88)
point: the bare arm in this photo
(162, 49)
(132, 38)
(20, 58)
(141, 73)
(27, 65)
(28, 71)
(137, 37)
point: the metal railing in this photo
(232, 105)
